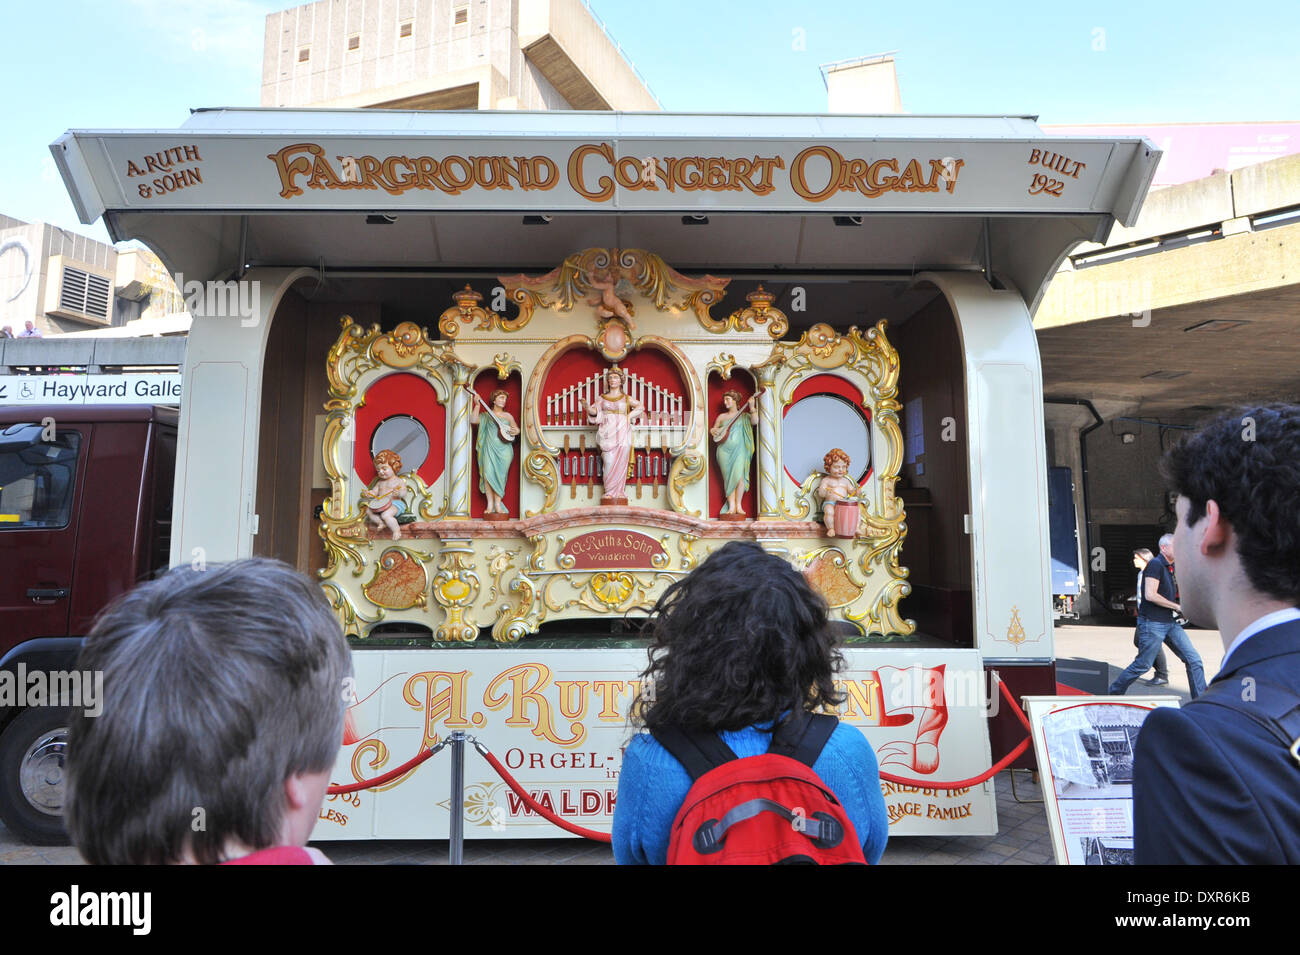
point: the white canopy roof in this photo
(450, 191)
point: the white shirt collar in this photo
(1276, 618)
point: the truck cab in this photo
(85, 513)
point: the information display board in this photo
(1085, 747)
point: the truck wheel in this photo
(32, 750)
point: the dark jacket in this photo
(1210, 784)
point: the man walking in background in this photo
(1218, 781)
(1158, 624)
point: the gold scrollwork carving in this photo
(563, 287)
(338, 423)
(661, 560)
(802, 500)
(455, 588)
(539, 467)
(606, 591)
(343, 537)
(882, 616)
(348, 358)
(499, 561)
(537, 560)
(358, 350)
(723, 364)
(505, 364)
(466, 311)
(685, 547)
(687, 469)
(512, 623)
(760, 309)
(426, 510)
(349, 616)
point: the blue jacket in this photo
(1212, 786)
(652, 786)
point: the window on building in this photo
(460, 15)
(304, 54)
(354, 42)
(405, 30)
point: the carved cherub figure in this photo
(385, 499)
(608, 304)
(835, 486)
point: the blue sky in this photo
(145, 63)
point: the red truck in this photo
(85, 513)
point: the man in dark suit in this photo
(1218, 781)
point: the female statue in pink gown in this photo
(613, 414)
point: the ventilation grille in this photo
(84, 292)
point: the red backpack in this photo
(760, 810)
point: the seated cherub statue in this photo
(385, 499)
(835, 486)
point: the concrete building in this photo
(65, 282)
(867, 84)
(1191, 310)
(448, 54)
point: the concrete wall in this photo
(439, 55)
(385, 63)
(555, 31)
(1125, 483)
(870, 87)
(1238, 262)
(44, 240)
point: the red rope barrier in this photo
(540, 809)
(388, 777)
(992, 771)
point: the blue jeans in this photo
(1151, 634)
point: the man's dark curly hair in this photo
(743, 639)
(1248, 462)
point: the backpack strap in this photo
(1275, 708)
(804, 736)
(824, 830)
(697, 751)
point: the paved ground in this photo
(1022, 838)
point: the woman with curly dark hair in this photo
(740, 646)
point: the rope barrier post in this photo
(456, 847)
